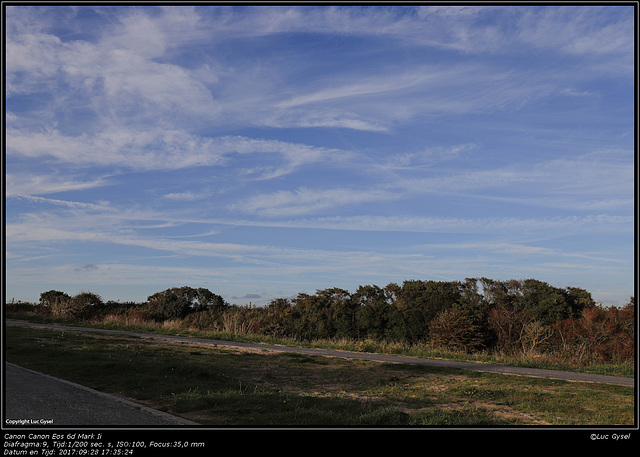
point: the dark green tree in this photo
(545, 303)
(85, 299)
(501, 293)
(471, 300)
(375, 312)
(343, 312)
(323, 315)
(275, 318)
(169, 305)
(177, 302)
(310, 317)
(579, 300)
(52, 297)
(203, 299)
(420, 301)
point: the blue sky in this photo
(263, 151)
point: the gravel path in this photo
(518, 371)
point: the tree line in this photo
(516, 316)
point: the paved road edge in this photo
(178, 420)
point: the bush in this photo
(53, 297)
(139, 314)
(21, 307)
(512, 317)
(605, 334)
(202, 320)
(79, 307)
(535, 336)
(454, 329)
(508, 324)
(178, 302)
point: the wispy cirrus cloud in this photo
(427, 141)
(308, 201)
(593, 182)
(66, 203)
(34, 184)
(488, 225)
(157, 149)
(186, 196)
(120, 72)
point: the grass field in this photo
(221, 386)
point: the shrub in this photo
(79, 307)
(178, 302)
(202, 320)
(20, 307)
(52, 297)
(508, 324)
(605, 334)
(139, 314)
(534, 336)
(235, 321)
(454, 329)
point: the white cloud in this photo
(322, 117)
(151, 149)
(371, 87)
(157, 149)
(593, 181)
(577, 30)
(186, 196)
(140, 33)
(597, 223)
(376, 119)
(31, 184)
(426, 157)
(68, 204)
(307, 201)
(30, 60)
(116, 75)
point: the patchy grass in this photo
(224, 386)
(422, 350)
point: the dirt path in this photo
(518, 371)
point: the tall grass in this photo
(234, 327)
(213, 385)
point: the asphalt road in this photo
(35, 399)
(532, 372)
